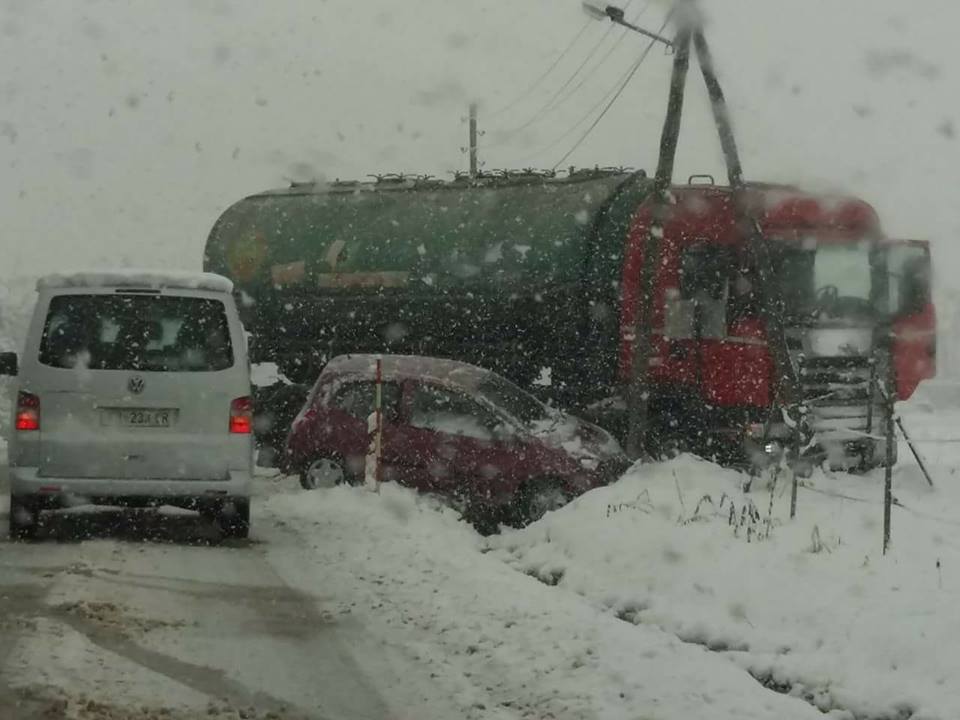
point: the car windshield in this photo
(136, 332)
(517, 403)
(826, 280)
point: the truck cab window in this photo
(705, 272)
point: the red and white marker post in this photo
(373, 470)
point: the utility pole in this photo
(473, 140)
(638, 394)
(691, 29)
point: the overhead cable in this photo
(616, 96)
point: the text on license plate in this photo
(141, 417)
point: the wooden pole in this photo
(639, 391)
(772, 305)
(473, 140)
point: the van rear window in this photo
(136, 332)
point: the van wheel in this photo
(323, 472)
(234, 518)
(24, 519)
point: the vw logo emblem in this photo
(136, 384)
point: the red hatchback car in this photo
(452, 429)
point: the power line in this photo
(550, 104)
(624, 78)
(593, 51)
(619, 92)
(606, 55)
(543, 76)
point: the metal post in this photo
(473, 140)
(906, 436)
(788, 391)
(915, 451)
(888, 471)
(617, 15)
(639, 391)
(796, 441)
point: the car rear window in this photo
(136, 332)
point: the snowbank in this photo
(809, 606)
(419, 578)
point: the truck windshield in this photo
(825, 280)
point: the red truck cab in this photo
(845, 287)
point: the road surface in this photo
(116, 615)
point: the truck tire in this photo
(24, 519)
(234, 518)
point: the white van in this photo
(134, 389)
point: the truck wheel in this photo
(325, 472)
(24, 518)
(234, 518)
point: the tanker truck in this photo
(536, 276)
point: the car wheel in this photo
(234, 518)
(484, 519)
(537, 498)
(24, 519)
(323, 472)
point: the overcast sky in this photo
(126, 127)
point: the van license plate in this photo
(146, 417)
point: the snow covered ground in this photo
(346, 604)
(809, 606)
(506, 645)
(632, 602)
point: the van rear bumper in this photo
(66, 491)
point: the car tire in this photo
(234, 518)
(24, 519)
(485, 520)
(538, 497)
(323, 473)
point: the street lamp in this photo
(616, 15)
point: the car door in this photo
(344, 429)
(914, 322)
(447, 445)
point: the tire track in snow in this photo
(215, 620)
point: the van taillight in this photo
(241, 416)
(28, 411)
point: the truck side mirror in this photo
(915, 288)
(8, 363)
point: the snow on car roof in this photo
(410, 366)
(136, 278)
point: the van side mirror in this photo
(8, 363)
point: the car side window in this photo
(449, 412)
(358, 399)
